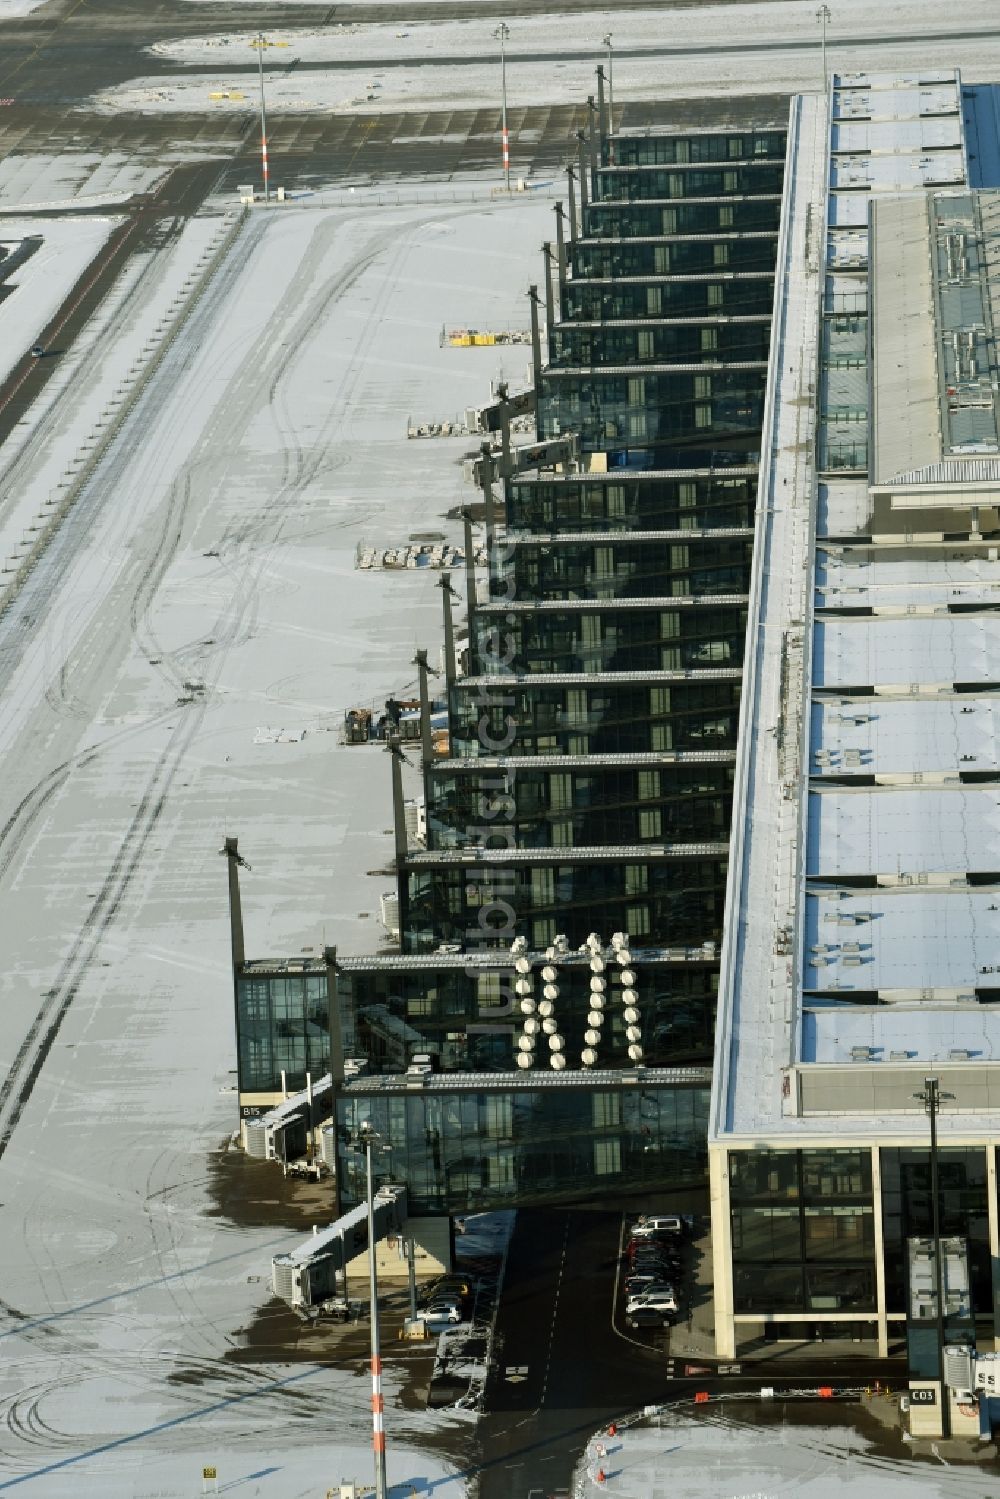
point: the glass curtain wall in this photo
(629, 502)
(651, 638)
(578, 717)
(282, 1025)
(466, 1151)
(630, 220)
(675, 901)
(803, 1231)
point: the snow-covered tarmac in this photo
(37, 287)
(722, 1453)
(688, 52)
(217, 541)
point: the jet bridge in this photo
(282, 1133)
(307, 1277)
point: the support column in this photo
(426, 743)
(447, 594)
(506, 468)
(571, 201)
(486, 484)
(232, 852)
(336, 1066)
(398, 810)
(722, 1254)
(592, 143)
(993, 1219)
(602, 119)
(880, 1299)
(536, 347)
(470, 588)
(549, 312)
(560, 251)
(582, 177)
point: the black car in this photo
(649, 1317)
(642, 1261)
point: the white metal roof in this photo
(896, 831)
(896, 736)
(913, 942)
(859, 888)
(914, 1033)
(900, 653)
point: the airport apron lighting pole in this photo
(931, 1097)
(368, 1137)
(260, 45)
(502, 33)
(822, 16)
(611, 100)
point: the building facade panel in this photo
(629, 501)
(608, 568)
(630, 219)
(657, 638)
(673, 901)
(608, 716)
(465, 1151)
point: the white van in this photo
(667, 1224)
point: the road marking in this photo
(516, 1373)
(555, 1310)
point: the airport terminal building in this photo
(860, 954)
(587, 784)
(728, 696)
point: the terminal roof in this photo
(863, 908)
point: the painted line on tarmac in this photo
(555, 1311)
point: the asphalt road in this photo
(565, 1365)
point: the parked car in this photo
(648, 1317)
(665, 1299)
(663, 1223)
(450, 1285)
(651, 1257)
(636, 1283)
(37, 351)
(440, 1311)
(655, 1246)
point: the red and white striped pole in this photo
(261, 44)
(378, 1406)
(503, 32)
(378, 1413)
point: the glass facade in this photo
(282, 1025)
(467, 1150)
(708, 341)
(663, 901)
(630, 502)
(660, 256)
(609, 409)
(906, 1206)
(722, 295)
(628, 220)
(573, 805)
(466, 1018)
(577, 717)
(654, 638)
(606, 568)
(690, 181)
(803, 1231)
(728, 145)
